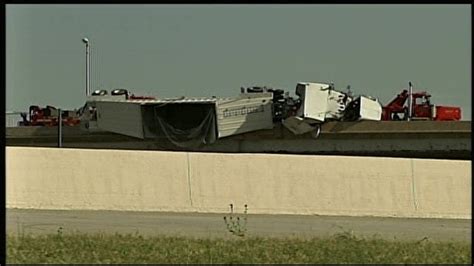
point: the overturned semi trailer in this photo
(185, 122)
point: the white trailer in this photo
(184, 120)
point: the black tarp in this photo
(185, 125)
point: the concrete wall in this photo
(48, 178)
(51, 178)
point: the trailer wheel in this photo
(316, 131)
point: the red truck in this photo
(48, 116)
(421, 108)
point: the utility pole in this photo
(88, 84)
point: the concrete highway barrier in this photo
(48, 178)
(83, 179)
(442, 188)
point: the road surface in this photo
(21, 221)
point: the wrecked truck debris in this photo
(321, 102)
(190, 122)
(184, 122)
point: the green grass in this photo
(133, 248)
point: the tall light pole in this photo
(88, 84)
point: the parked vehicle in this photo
(48, 116)
(409, 105)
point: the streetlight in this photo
(86, 41)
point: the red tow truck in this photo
(421, 108)
(48, 116)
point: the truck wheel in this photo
(317, 130)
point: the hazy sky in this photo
(204, 50)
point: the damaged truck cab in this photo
(321, 102)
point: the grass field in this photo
(133, 248)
